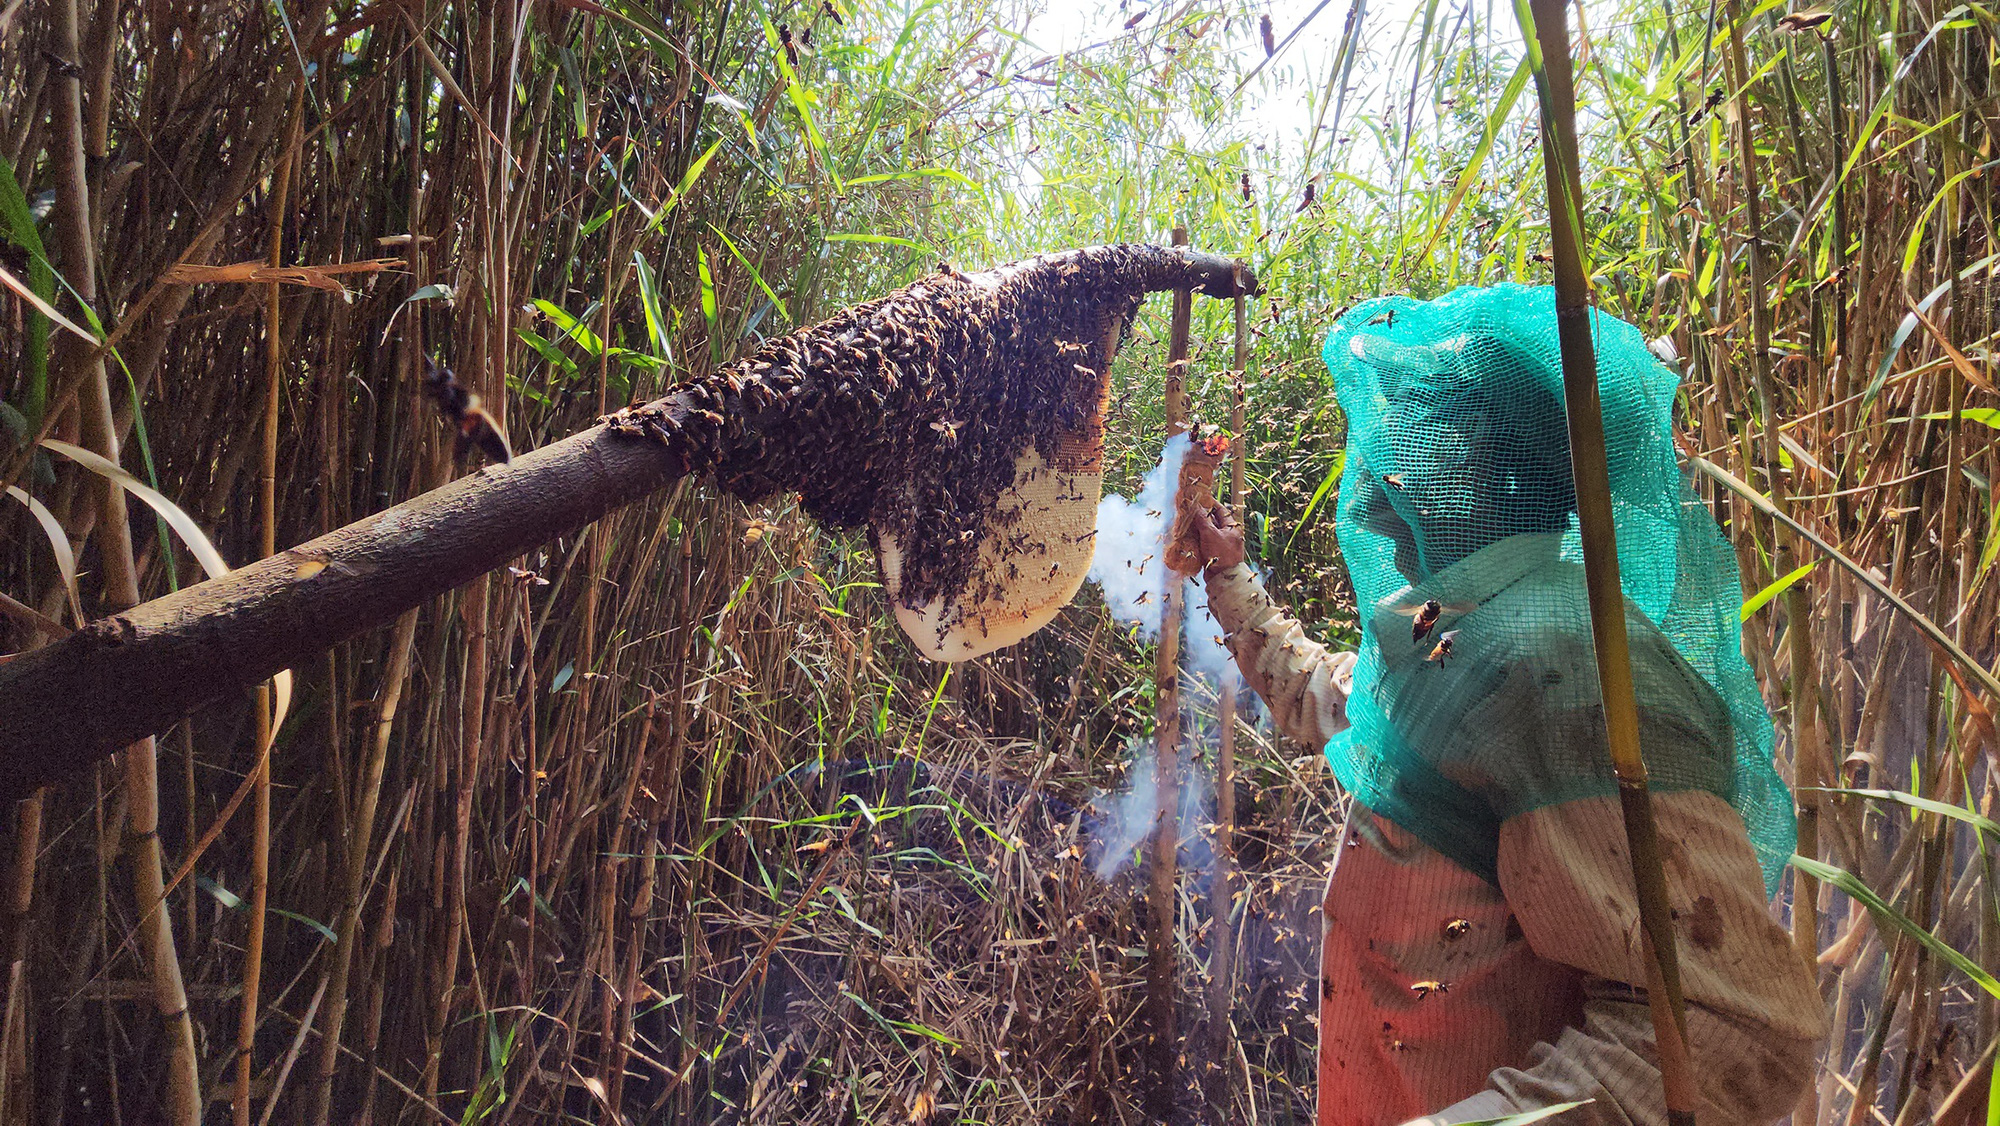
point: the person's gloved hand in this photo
(1205, 532)
(1221, 537)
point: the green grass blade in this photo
(1326, 486)
(1760, 599)
(20, 225)
(1889, 917)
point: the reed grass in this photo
(589, 848)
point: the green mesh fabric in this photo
(1457, 490)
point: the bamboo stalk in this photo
(1163, 895)
(1549, 38)
(1222, 891)
(267, 515)
(121, 580)
(1807, 771)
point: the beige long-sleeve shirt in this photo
(1445, 999)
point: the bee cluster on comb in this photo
(918, 413)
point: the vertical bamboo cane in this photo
(1548, 48)
(1162, 897)
(181, 1103)
(1222, 893)
(267, 515)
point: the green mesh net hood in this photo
(1457, 492)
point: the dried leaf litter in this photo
(912, 414)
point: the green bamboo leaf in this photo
(1763, 597)
(688, 178)
(1470, 176)
(1890, 918)
(1928, 805)
(21, 231)
(547, 349)
(573, 327)
(756, 275)
(1326, 485)
(1989, 416)
(795, 93)
(708, 305)
(649, 303)
(1914, 244)
(914, 174)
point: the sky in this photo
(1278, 103)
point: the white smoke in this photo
(1129, 564)
(1129, 817)
(1129, 567)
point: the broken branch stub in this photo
(917, 414)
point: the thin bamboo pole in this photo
(1163, 894)
(1548, 47)
(182, 1102)
(1222, 890)
(267, 515)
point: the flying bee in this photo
(1384, 318)
(1424, 989)
(949, 429)
(755, 530)
(1442, 649)
(785, 41)
(1312, 192)
(1264, 29)
(1425, 617)
(461, 408)
(1393, 480)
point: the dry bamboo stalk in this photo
(1808, 772)
(359, 833)
(1550, 38)
(267, 515)
(1222, 892)
(1163, 895)
(121, 580)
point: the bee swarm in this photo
(908, 413)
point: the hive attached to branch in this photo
(961, 419)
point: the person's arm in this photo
(1303, 684)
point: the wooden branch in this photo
(135, 673)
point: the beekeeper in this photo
(1482, 953)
